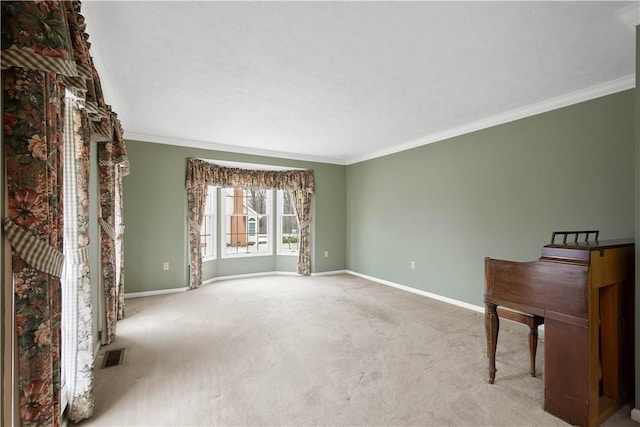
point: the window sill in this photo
(210, 258)
(287, 253)
(246, 255)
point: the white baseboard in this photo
(286, 273)
(216, 279)
(239, 276)
(324, 273)
(153, 293)
(246, 276)
(635, 414)
(433, 296)
(330, 273)
(421, 292)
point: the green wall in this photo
(498, 192)
(156, 228)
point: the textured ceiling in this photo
(342, 82)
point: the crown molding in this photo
(593, 92)
(590, 93)
(630, 16)
(229, 148)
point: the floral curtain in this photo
(201, 173)
(196, 200)
(33, 121)
(45, 51)
(113, 165)
(302, 202)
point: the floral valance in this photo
(203, 172)
(114, 152)
(50, 36)
(37, 36)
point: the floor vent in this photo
(113, 358)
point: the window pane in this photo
(256, 201)
(263, 223)
(287, 206)
(247, 220)
(288, 228)
(289, 225)
(208, 230)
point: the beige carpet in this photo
(332, 350)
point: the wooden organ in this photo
(583, 292)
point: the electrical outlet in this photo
(413, 265)
(326, 254)
(165, 265)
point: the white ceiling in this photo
(342, 82)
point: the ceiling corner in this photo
(630, 15)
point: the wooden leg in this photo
(534, 322)
(533, 347)
(492, 325)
